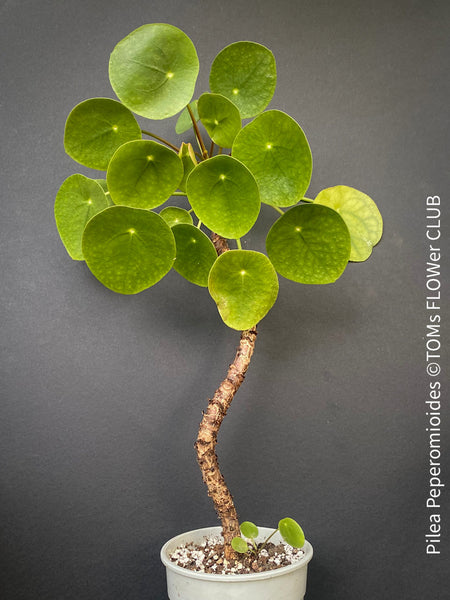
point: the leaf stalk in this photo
(160, 139)
(197, 133)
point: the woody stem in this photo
(209, 429)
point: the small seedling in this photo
(290, 531)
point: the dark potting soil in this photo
(208, 557)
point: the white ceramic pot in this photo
(285, 583)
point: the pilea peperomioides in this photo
(112, 224)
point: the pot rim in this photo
(231, 578)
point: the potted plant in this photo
(113, 226)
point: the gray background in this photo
(101, 394)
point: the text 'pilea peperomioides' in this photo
(117, 226)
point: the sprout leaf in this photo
(291, 532)
(239, 545)
(249, 530)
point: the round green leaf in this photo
(291, 532)
(195, 254)
(128, 249)
(96, 128)
(173, 215)
(249, 530)
(275, 149)
(360, 214)
(244, 285)
(246, 73)
(220, 118)
(184, 121)
(224, 196)
(143, 174)
(239, 545)
(189, 161)
(309, 244)
(78, 199)
(153, 70)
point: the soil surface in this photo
(208, 557)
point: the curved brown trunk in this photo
(207, 439)
(210, 425)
